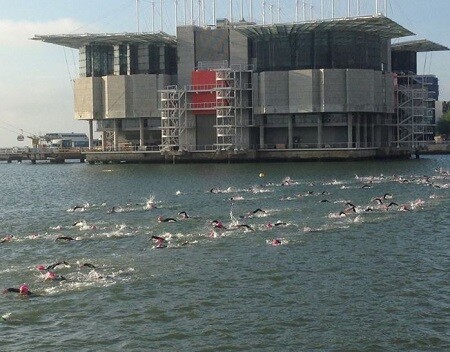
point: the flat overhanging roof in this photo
(418, 46)
(77, 41)
(381, 25)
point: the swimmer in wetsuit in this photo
(218, 225)
(66, 238)
(7, 238)
(160, 242)
(183, 214)
(49, 275)
(23, 290)
(162, 219)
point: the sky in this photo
(36, 78)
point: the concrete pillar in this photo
(290, 132)
(103, 141)
(349, 130)
(378, 130)
(261, 133)
(319, 131)
(389, 136)
(141, 132)
(91, 134)
(365, 132)
(372, 131)
(358, 131)
(116, 136)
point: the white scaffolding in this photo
(232, 106)
(415, 112)
(173, 117)
(233, 111)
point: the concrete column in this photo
(116, 136)
(141, 132)
(349, 130)
(358, 131)
(319, 131)
(91, 134)
(103, 141)
(389, 136)
(372, 131)
(290, 132)
(261, 133)
(365, 132)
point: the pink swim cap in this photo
(24, 289)
(50, 275)
(276, 242)
(40, 267)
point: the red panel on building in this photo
(204, 102)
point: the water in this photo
(372, 281)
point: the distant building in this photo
(67, 140)
(245, 86)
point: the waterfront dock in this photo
(240, 156)
(52, 155)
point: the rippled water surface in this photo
(373, 279)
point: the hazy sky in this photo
(36, 93)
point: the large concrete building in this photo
(325, 84)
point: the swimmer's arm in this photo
(10, 289)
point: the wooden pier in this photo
(52, 155)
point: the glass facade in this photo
(320, 49)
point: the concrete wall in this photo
(116, 94)
(361, 86)
(88, 98)
(238, 48)
(333, 90)
(212, 45)
(186, 54)
(206, 133)
(274, 92)
(301, 91)
(119, 96)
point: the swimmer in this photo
(276, 242)
(162, 219)
(244, 226)
(278, 223)
(79, 223)
(53, 266)
(254, 212)
(78, 207)
(23, 290)
(49, 275)
(65, 238)
(112, 210)
(218, 225)
(392, 204)
(88, 265)
(160, 242)
(7, 238)
(183, 214)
